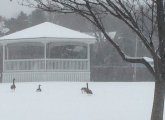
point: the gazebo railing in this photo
(66, 64)
(46, 64)
(24, 65)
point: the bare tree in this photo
(144, 17)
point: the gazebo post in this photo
(3, 57)
(45, 43)
(88, 57)
(7, 53)
(88, 60)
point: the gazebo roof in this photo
(48, 30)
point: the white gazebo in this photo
(46, 52)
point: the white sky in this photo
(11, 9)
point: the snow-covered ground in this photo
(64, 101)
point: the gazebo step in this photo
(46, 76)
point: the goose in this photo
(13, 86)
(86, 90)
(39, 88)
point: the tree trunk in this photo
(158, 103)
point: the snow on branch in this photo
(150, 60)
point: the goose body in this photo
(83, 89)
(86, 90)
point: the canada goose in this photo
(86, 90)
(39, 88)
(13, 86)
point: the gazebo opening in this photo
(67, 51)
(24, 50)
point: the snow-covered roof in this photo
(47, 30)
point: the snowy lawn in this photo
(64, 101)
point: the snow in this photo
(148, 59)
(64, 101)
(49, 30)
(101, 36)
(112, 34)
